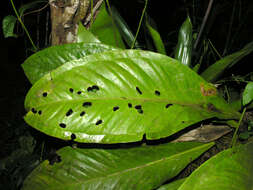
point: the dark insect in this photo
(87, 104)
(138, 107)
(93, 88)
(73, 136)
(79, 92)
(71, 90)
(69, 112)
(157, 93)
(115, 108)
(44, 94)
(138, 90)
(168, 105)
(89, 89)
(39, 112)
(129, 105)
(62, 125)
(34, 110)
(99, 122)
(82, 113)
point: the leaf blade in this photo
(8, 25)
(183, 51)
(247, 94)
(230, 169)
(144, 167)
(144, 80)
(213, 72)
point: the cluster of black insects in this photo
(95, 88)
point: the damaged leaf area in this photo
(120, 96)
(207, 91)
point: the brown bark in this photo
(65, 16)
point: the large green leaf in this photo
(144, 167)
(231, 169)
(50, 58)
(121, 95)
(213, 72)
(105, 30)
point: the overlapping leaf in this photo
(183, 51)
(105, 29)
(213, 72)
(120, 96)
(231, 169)
(50, 58)
(157, 40)
(144, 167)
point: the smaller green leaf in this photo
(86, 36)
(213, 72)
(183, 51)
(8, 25)
(173, 185)
(105, 30)
(230, 169)
(247, 94)
(142, 167)
(123, 28)
(155, 36)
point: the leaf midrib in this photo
(123, 99)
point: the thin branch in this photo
(203, 24)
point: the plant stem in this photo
(139, 26)
(91, 5)
(234, 139)
(23, 26)
(203, 24)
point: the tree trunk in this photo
(65, 17)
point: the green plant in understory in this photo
(95, 93)
(115, 96)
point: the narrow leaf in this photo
(155, 36)
(213, 72)
(121, 95)
(183, 51)
(247, 94)
(231, 169)
(123, 28)
(50, 58)
(145, 167)
(8, 25)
